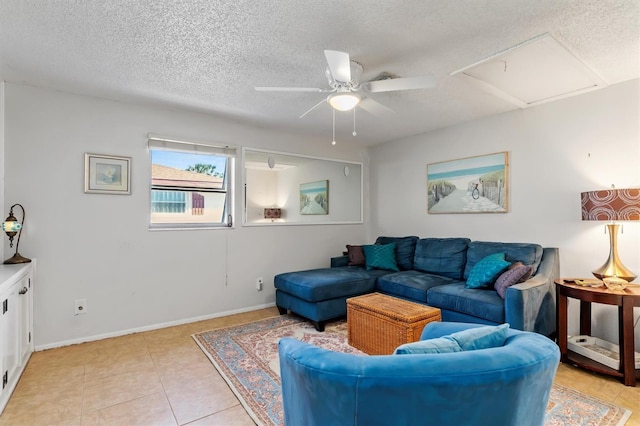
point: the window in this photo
(190, 184)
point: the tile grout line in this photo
(157, 371)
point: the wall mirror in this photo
(290, 189)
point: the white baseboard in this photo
(148, 328)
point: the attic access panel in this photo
(536, 71)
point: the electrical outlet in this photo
(259, 282)
(80, 306)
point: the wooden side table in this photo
(624, 300)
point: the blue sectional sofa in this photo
(437, 272)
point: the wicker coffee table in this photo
(377, 324)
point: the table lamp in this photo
(11, 227)
(612, 205)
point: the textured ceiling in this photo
(209, 55)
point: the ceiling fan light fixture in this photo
(343, 101)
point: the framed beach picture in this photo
(107, 174)
(469, 185)
(314, 197)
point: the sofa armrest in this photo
(531, 305)
(336, 262)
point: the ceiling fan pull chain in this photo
(333, 142)
(354, 122)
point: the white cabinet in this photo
(16, 324)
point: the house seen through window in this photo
(189, 185)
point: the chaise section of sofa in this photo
(321, 294)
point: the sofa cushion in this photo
(356, 255)
(412, 285)
(465, 340)
(327, 283)
(441, 256)
(481, 337)
(439, 345)
(380, 256)
(513, 275)
(485, 272)
(528, 254)
(479, 303)
(405, 250)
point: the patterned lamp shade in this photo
(272, 213)
(611, 204)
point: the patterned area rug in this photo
(247, 357)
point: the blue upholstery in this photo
(321, 294)
(441, 256)
(471, 338)
(481, 303)
(412, 285)
(528, 254)
(506, 385)
(327, 283)
(405, 249)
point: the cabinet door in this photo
(10, 332)
(25, 298)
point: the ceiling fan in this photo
(346, 90)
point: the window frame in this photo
(159, 143)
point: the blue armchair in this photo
(506, 385)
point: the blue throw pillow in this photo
(485, 272)
(438, 345)
(380, 256)
(405, 250)
(481, 337)
(484, 337)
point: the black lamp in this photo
(11, 227)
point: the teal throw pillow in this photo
(485, 272)
(481, 337)
(380, 256)
(438, 345)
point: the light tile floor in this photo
(161, 377)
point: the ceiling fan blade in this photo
(339, 65)
(313, 107)
(405, 83)
(374, 107)
(289, 89)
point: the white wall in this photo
(99, 247)
(344, 204)
(2, 101)
(556, 150)
(262, 192)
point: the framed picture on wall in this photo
(107, 174)
(469, 185)
(314, 197)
